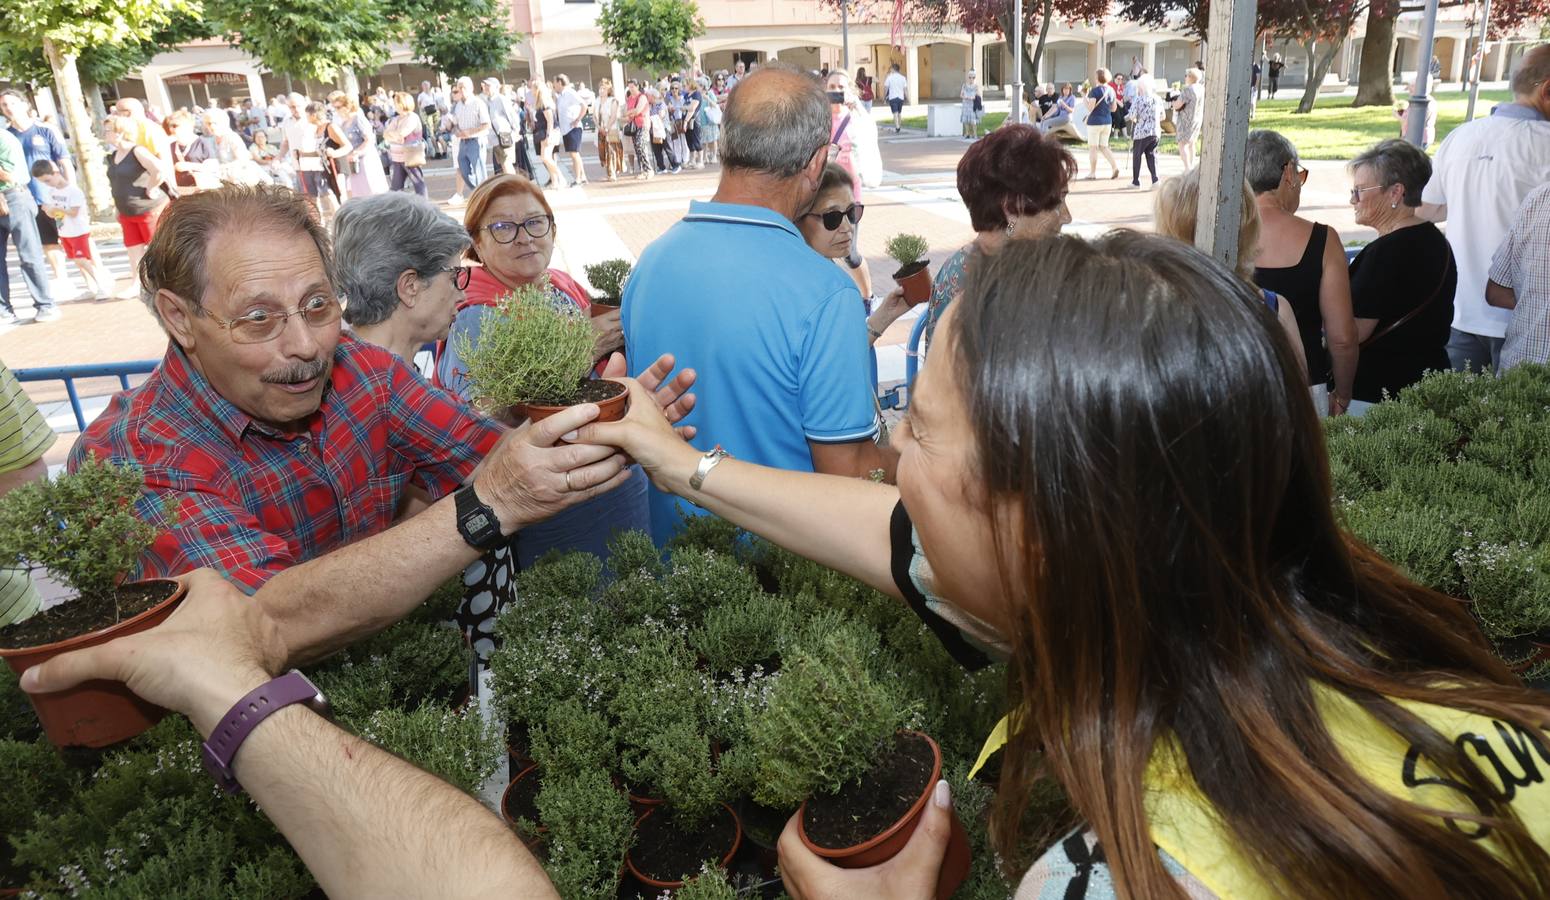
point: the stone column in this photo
(1149, 56)
(256, 87)
(912, 75)
(1457, 63)
(1503, 50)
(156, 89)
(616, 72)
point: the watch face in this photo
(478, 522)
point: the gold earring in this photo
(1011, 226)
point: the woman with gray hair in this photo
(1402, 284)
(1304, 262)
(400, 270)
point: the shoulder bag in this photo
(1398, 323)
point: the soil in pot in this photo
(664, 853)
(521, 798)
(868, 806)
(85, 615)
(611, 396)
(94, 713)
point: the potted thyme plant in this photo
(83, 528)
(862, 779)
(608, 277)
(909, 251)
(533, 358)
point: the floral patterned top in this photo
(947, 286)
(1143, 115)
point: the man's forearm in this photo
(336, 599)
(368, 824)
(1500, 296)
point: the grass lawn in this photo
(1334, 130)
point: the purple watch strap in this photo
(259, 704)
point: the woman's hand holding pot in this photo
(610, 332)
(912, 875)
(646, 435)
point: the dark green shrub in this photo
(1510, 587)
(455, 745)
(710, 533)
(37, 781)
(743, 631)
(400, 667)
(566, 577)
(710, 884)
(632, 554)
(18, 721)
(573, 739)
(1421, 542)
(609, 277)
(84, 526)
(700, 580)
(589, 824)
(802, 745)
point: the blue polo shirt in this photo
(775, 331)
(41, 142)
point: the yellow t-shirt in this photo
(24, 438)
(1185, 825)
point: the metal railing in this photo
(69, 375)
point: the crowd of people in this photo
(1111, 472)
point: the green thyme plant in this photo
(829, 718)
(1510, 586)
(710, 884)
(573, 739)
(743, 631)
(530, 350)
(700, 580)
(631, 553)
(402, 667)
(454, 744)
(907, 248)
(84, 526)
(609, 277)
(589, 824)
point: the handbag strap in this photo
(839, 131)
(1397, 323)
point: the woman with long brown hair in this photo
(1115, 475)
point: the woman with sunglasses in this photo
(1014, 182)
(511, 226)
(400, 270)
(830, 229)
(1304, 262)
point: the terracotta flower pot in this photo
(726, 858)
(915, 278)
(94, 713)
(612, 409)
(531, 840)
(603, 307)
(885, 846)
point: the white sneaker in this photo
(48, 314)
(456, 200)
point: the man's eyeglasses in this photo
(1302, 174)
(831, 219)
(506, 232)
(259, 325)
(460, 276)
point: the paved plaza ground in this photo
(601, 221)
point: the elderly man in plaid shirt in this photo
(291, 449)
(1520, 281)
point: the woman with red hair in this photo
(1014, 182)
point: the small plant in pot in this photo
(533, 358)
(862, 780)
(909, 251)
(83, 528)
(608, 277)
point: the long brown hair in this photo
(1180, 572)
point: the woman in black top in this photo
(1402, 283)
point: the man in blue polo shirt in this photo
(39, 142)
(776, 332)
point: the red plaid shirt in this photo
(253, 502)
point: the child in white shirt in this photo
(67, 204)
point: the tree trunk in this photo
(93, 175)
(1319, 65)
(99, 110)
(1376, 87)
(1030, 76)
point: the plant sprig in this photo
(530, 350)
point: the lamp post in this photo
(1415, 132)
(1017, 63)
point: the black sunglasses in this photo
(831, 220)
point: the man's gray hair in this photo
(1532, 71)
(1267, 153)
(1397, 162)
(779, 135)
(376, 238)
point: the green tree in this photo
(650, 34)
(314, 39)
(63, 30)
(476, 37)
